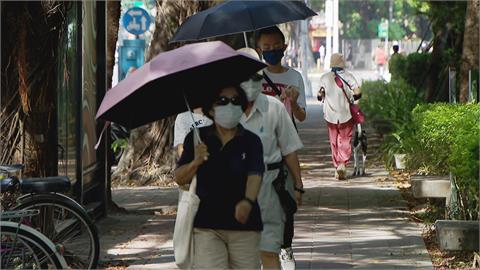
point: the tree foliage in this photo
(360, 19)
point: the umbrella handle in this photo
(195, 129)
(245, 38)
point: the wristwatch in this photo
(301, 190)
(252, 203)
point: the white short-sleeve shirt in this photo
(184, 124)
(336, 107)
(291, 77)
(270, 121)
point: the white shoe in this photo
(287, 260)
(341, 172)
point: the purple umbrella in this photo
(160, 87)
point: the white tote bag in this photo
(188, 203)
(183, 233)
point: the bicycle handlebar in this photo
(11, 168)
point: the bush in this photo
(387, 106)
(396, 66)
(437, 128)
(401, 141)
(416, 70)
(412, 68)
(447, 140)
(464, 164)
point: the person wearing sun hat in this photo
(268, 118)
(336, 111)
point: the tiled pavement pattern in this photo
(360, 223)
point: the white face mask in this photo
(252, 89)
(228, 116)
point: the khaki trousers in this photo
(225, 249)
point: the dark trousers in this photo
(288, 231)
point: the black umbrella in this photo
(161, 87)
(236, 16)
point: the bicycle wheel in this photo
(70, 228)
(23, 247)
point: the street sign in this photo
(131, 54)
(383, 29)
(136, 20)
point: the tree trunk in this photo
(447, 44)
(470, 54)
(113, 23)
(149, 154)
(31, 31)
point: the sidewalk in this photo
(360, 223)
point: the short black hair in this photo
(269, 31)
(395, 48)
(207, 107)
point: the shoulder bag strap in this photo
(344, 81)
(343, 88)
(196, 140)
(274, 87)
(278, 93)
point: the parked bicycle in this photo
(22, 247)
(60, 218)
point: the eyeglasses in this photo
(225, 100)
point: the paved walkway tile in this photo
(355, 224)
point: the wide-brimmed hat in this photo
(251, 52)
(336, 60)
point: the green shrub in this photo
(464, 165)
(400, 141)
(396, 66)
(416, 70)
(388, 106)
(412, 68)
(437, 127)
(447, 140)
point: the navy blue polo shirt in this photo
(222, 179)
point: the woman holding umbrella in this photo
(229, 168)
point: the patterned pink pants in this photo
(340, 136)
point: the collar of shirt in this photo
(260, 104)
(212, 131)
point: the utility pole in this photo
(329, 24)
(390, 11)
(335, 27)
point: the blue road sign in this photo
(131, 54)
(136, 20)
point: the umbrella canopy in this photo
(236, 16)
(158, 88)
